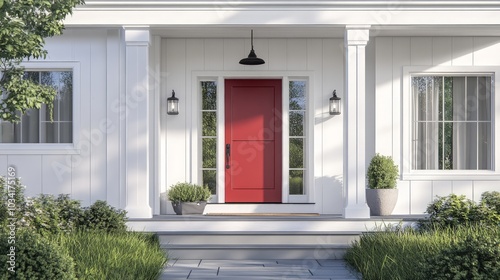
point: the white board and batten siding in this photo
(183, 59)
(90, 171)
(391, 55)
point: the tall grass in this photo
(400, 254)
(100, 255)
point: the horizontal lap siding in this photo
(83, 175)
(392, 54)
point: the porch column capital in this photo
(137, 35)
(357, 35)
(137, 122)
(356, 38)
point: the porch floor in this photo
(260, 223)
(275, 217)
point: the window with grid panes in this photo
(35, 126)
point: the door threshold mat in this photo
(264, 214)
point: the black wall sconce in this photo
(335, 106)
(173, 104)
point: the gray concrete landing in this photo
(258, 269)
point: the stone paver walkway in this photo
(258, 269)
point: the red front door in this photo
(253, 140)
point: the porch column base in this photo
(358, 211)
(139, 212)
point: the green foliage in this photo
(11, 200)
(459, 240)
(454, 211)
(103, 217)
(475, 258)
(23, 94)
(186, 192)
(99, 247)
(23, 26)
(296, 185)
(36, 257)
(411, 254)
(491, 200)
(120, 256)
(382, 173)
(47, 214)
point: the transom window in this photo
(35, 126)
(451, 122)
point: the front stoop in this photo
(248, 237)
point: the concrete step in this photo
(257, 245)
(260, 237)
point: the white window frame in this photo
(285, 76)
(407, 107)
(308, 144)
(198, 127)
(52, 148)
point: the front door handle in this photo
(228, 155)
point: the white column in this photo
(137, 41)
(356, 38)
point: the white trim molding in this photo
(347, 5)
(450, 175)
(73, 148)
(159, 13)
(220, 76)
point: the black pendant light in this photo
(252, 58)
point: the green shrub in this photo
(186, 192)
(405, 254)
(12, 202)
(454, 210)
(491, 200)
(48, 214)
(103, 217)
(36, 257)
(120, 256)
(382, 173)
(475, 258)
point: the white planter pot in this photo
(381, 201)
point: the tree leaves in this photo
(23, 94)
(23, 26)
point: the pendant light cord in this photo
(252, 38)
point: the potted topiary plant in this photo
(189, 198)
(382, 193)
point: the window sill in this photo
(38, 149)
(451, 175)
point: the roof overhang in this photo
(291, 18)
